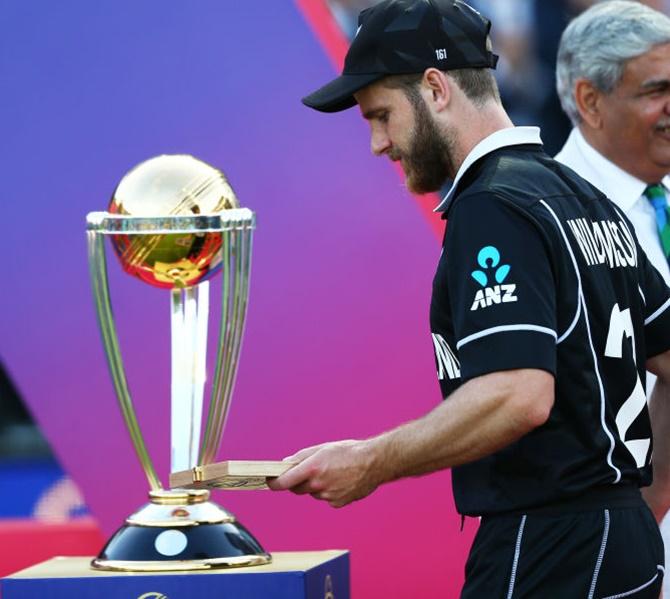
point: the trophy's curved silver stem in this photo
(236, 251)
(190, 308)
(240, 303)
(98, 270)
(210, 444)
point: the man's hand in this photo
(338, 473)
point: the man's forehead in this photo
(377, 95)
(653, 64)
(370, 92)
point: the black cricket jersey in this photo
(540, 270)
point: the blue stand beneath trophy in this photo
(299, 575)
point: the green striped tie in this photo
(656, 195)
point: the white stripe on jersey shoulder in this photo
(658, 312)
(582, 301)
(578, 312)
(572, 326)
(503, 329)
(644, 299)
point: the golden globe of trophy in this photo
(174, 222)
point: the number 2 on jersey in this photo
(621, 325)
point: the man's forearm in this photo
(481, 417)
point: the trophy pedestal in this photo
(180, 530)
(304, 575)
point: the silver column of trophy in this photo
(173, 222)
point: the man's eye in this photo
(384, 117)
(659, 90)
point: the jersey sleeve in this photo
(656, 295)
(501, 288)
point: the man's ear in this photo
(588, 99)
(436, 89)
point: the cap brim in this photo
(339, 94)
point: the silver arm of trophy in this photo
(98, 269)
(236, 255)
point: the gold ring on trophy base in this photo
(237, 561)
(158, 515)
(176, 523)
(179, 496)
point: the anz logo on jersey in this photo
(492, 272)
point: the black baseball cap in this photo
(407, 36)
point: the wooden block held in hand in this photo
(230, 474)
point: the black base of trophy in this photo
(180, 530)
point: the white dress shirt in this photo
(623, 189)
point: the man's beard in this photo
(429, 161)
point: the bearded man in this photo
(544, 315)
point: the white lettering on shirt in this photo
(604, 242)
(494, 295)
(447, 362)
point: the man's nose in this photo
(379, 143)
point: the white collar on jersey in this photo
(513, 136)
(617, 184)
